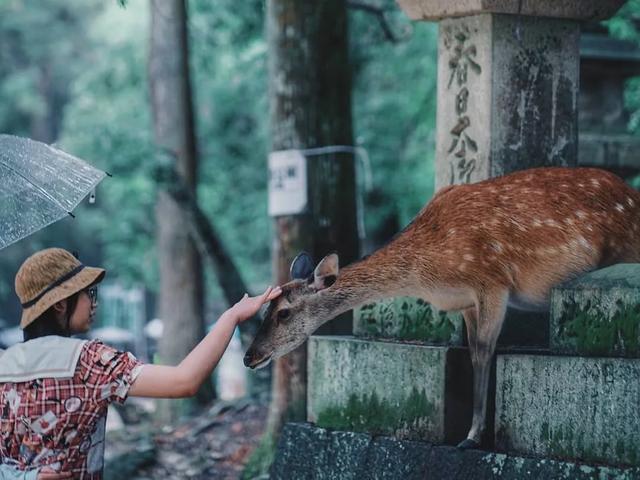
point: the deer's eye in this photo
(283, 314)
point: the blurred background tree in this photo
(99, 108)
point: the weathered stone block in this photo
(409, 391)
(598, 313)
(507, 95)
(406, 318)
(576, 9)
(305, 451)
(576, 408)
(413, 319)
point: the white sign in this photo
(287, 182)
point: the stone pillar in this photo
(508, 79)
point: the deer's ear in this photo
(302, 266)
(326, 272)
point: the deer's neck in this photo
(382, 275)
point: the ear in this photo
(302, 266)
(61, 306)
(326, 272)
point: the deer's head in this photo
(296, 313)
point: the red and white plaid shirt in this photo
(60, 422)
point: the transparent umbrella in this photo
(39, 184)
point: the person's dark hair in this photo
(47, 324)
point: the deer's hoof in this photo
(468, 444)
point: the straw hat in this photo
(47, 277)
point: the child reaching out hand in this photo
(55, 390)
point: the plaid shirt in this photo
(60, 422)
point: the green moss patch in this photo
(370, 413)
(588, 330)
(408, 319)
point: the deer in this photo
(474, 248)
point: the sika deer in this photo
(476, 249)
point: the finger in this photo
(266, 293)
(275, 293)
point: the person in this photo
(55, 389)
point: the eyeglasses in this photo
(92, 292)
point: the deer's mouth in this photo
(263, 362)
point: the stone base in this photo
(575, 408)
(409, 391)
(305, 451)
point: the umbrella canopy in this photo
(39, 184)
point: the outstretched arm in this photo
(184, 380)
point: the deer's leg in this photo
(487, 319)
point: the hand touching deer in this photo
(476, 249)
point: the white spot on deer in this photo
(581, 215)
(468, 257)
(619, 207)
(551, 223)
(452, 231)
(497, 246)
(462, 267)
(584, 242)
(564, 185)
(589, 227)
(581, 185)
(595, 182)
(630, 201)
(569, 221)
(536, 222)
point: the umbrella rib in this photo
(42, 190)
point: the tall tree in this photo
(181, 286)
(310, 107)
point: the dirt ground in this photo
(215, 444)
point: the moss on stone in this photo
(408, 319)
(590, 330)
(370, 413)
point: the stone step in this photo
(576, 408)
(598, 313)
(407, 318)
(413, 319)
(306, 451)
(406, 390)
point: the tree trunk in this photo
(232, 284)
(310, 106)
(181, 284)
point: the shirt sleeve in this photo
(112, 372)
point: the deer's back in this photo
(551, 223)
